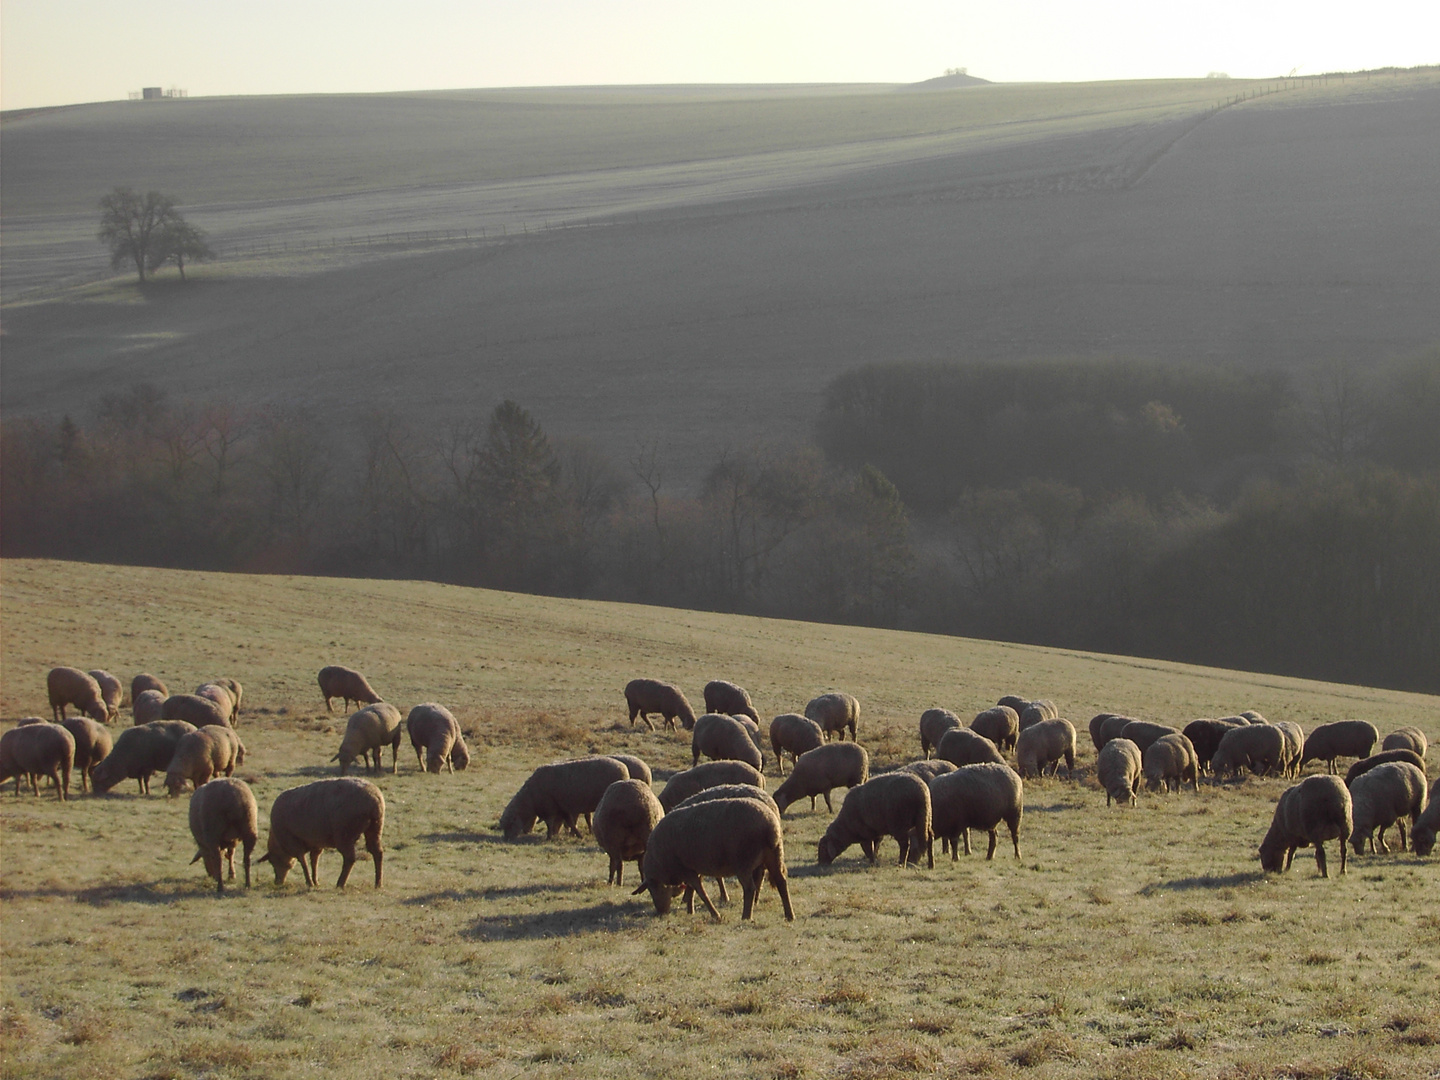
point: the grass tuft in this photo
(1042, 1048)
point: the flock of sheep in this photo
(716, 819)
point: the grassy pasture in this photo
(1126, 943)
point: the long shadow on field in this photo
(471, 836)
(1204, 881)
(105, 895)
(595, 919)
(492, 893)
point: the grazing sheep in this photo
(726, 697)
(962, 746)
(35, 750)
(927, 770)
(368, 732)
(711, 774)
(1044, 744)
(1171, 759)
(145, 681)
(1294, 746)
(331, 813)
(237, 692)
(977, 797)
(1037, 712)
(222, 814)
(893, 804)
(835, 712)
(723, 738)
(71, 686)
(148, 705)
(110, 692)
(434, 733)
(646, 696)
(220, 695)
(1143, 733)
(1343, 738)
(1119, 768)
(197, 710)
(1406, 738)
(1012, 701)
(793, 734)
(1259, 747)
(200, 755)
(727, 791)
(346, 684)
(1001, 725)
(139, 752)
(1205, 736)
(560, 793)
(1313, 811)
(819, 771)
(1385, 796)
(933, 724)
(1252, 717)
(1112, 727)
(92, 745)
(753, 730)
(1097, 724)
(624, 818)
(636, 767)
(1422, 835)
(1364, 765)
(721, 838)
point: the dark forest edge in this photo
(1128, 507)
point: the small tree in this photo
(139, 228)
(178, 240)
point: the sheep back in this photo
(559, 793)
(892, 804)
(1097, 724)
(333, 813)
(684, 784)
(722, 737)
(1364, 765)
(933, 724)
(71, 686)
(1171, 760)
(1036, 712)
(1294, 746)
(222, 814)
(977, 797)
(835, 712)
(1113, 726)
(733, 791)
(1384, 795)
(147, 706)
(139, 752)
(197, 710)
(793, 734)
(1259, 747)
(646, 696)
(42, 749)
(819, 771)
(199, 755)
(1119, 767)
(369, 731)
(1044, 744)
(111, 692)
(1407, 738)
(145, 681)
(93, 744)
(1000, 724)
(346, 684)
(1143, 733)
(1343, 738)
(1205, 736)
(962, 746)
(636, 767)
(726, 697)
(433, 731)
(927, 770)
(624, 818)
(1313, 811)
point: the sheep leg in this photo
(616, 867)
(990, 855)
(1384, 847)
(1401, 826)
(966, 834)
(748, 885)
(904, 841)
(1342, 856)
(305, 869)
(812, 801)
(588, 823)
(34, 784)
(689, 900)
(570, 823)
(249, 846)
(868, 847)
(377, 853)
(1320, 857)
(699, 887)
(829, 808)
(85, 779)
(347, 853)
(394, 755)
(230, 857)
(315, 867)
(724, 893)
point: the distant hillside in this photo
(948, 82)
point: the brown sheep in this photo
(1036, 712)
(220, 695)
(1364, 765)
(819, 771)
(1205, 736)
(110, 692)
(35, 750)
(71, 686)
(835, 712)
(139, 752)
(724, 738)
(434, 733)
(711, 774)
(1260, 747)
(1000, 724)
(1044, 744)
(346, 684)
(624, 818)
(893, 804)
(1406, 738)
(793, 734)
(1142, 733)
(1384, 796)
(334, 813)
(1120, 768)
(726, 697)
(646, 696)
(962, 746)
(1113, 726)
(197, 710)
(1171, 760)
(200, 755)
(1097, 727)
(933, 724)
(1015, 702)
(727, 791)
(926, 770)
(977, 797)
(1422, 835)
(559, 794)
(1313, 811)
(92, 745)
(145, 681)
(1294, 745)
(237, 694)
(222, 814)
(148, 706)
(1343, 738)
(368, 732)
(636, 767)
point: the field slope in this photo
(1126, 943)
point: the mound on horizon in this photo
(948, 82)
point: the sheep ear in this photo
(195, 859)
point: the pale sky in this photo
(55, 52)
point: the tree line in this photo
(1124, 507)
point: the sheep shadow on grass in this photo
(135, 892)
(1204, 881)
(493, 893)
(601, 918)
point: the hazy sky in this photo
(61, 51)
